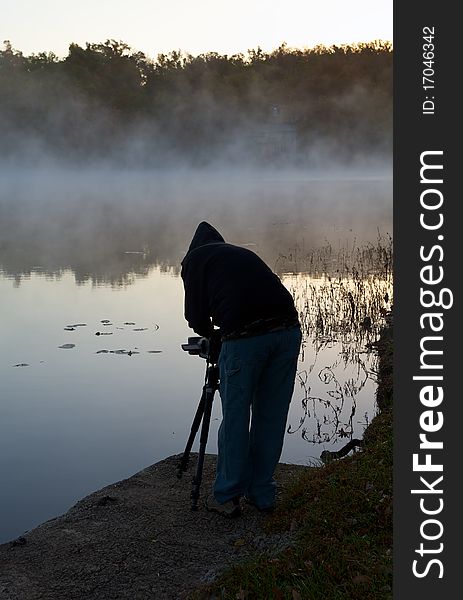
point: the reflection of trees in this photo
(98, 244)
(110, 228)
(115, 268)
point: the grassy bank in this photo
(342, 516)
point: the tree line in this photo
(107, 99)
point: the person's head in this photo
(205, 234)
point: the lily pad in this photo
(67, 346)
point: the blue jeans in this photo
(256, 381)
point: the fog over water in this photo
(94, 384)
(87, 220)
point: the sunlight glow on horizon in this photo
(155, 27)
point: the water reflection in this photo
(74, 420)
(112, 227)
(95, 385)
(341, 313)
(329, 418)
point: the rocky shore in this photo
(136, 539)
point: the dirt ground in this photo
(136, 539)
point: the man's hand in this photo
(215, 343)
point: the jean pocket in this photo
(232, 374)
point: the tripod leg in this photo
(210, 390)
(183, 464)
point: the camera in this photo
(198, 346)
(208, 348)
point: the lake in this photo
(94, 383)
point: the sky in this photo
(193, 26)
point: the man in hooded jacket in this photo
(230, 287)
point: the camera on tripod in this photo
(208, 348)
(198, 346)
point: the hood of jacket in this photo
(204, 234)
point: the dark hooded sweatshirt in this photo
(229, 286)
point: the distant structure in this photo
(275, 138)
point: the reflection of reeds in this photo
(344, 261)
(326, 414)
(343, 299)
(348, 303)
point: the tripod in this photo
(203, 413)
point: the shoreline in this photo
(136, 538)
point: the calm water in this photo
(101, 253)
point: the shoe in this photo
(263, 509)
(230, 509)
